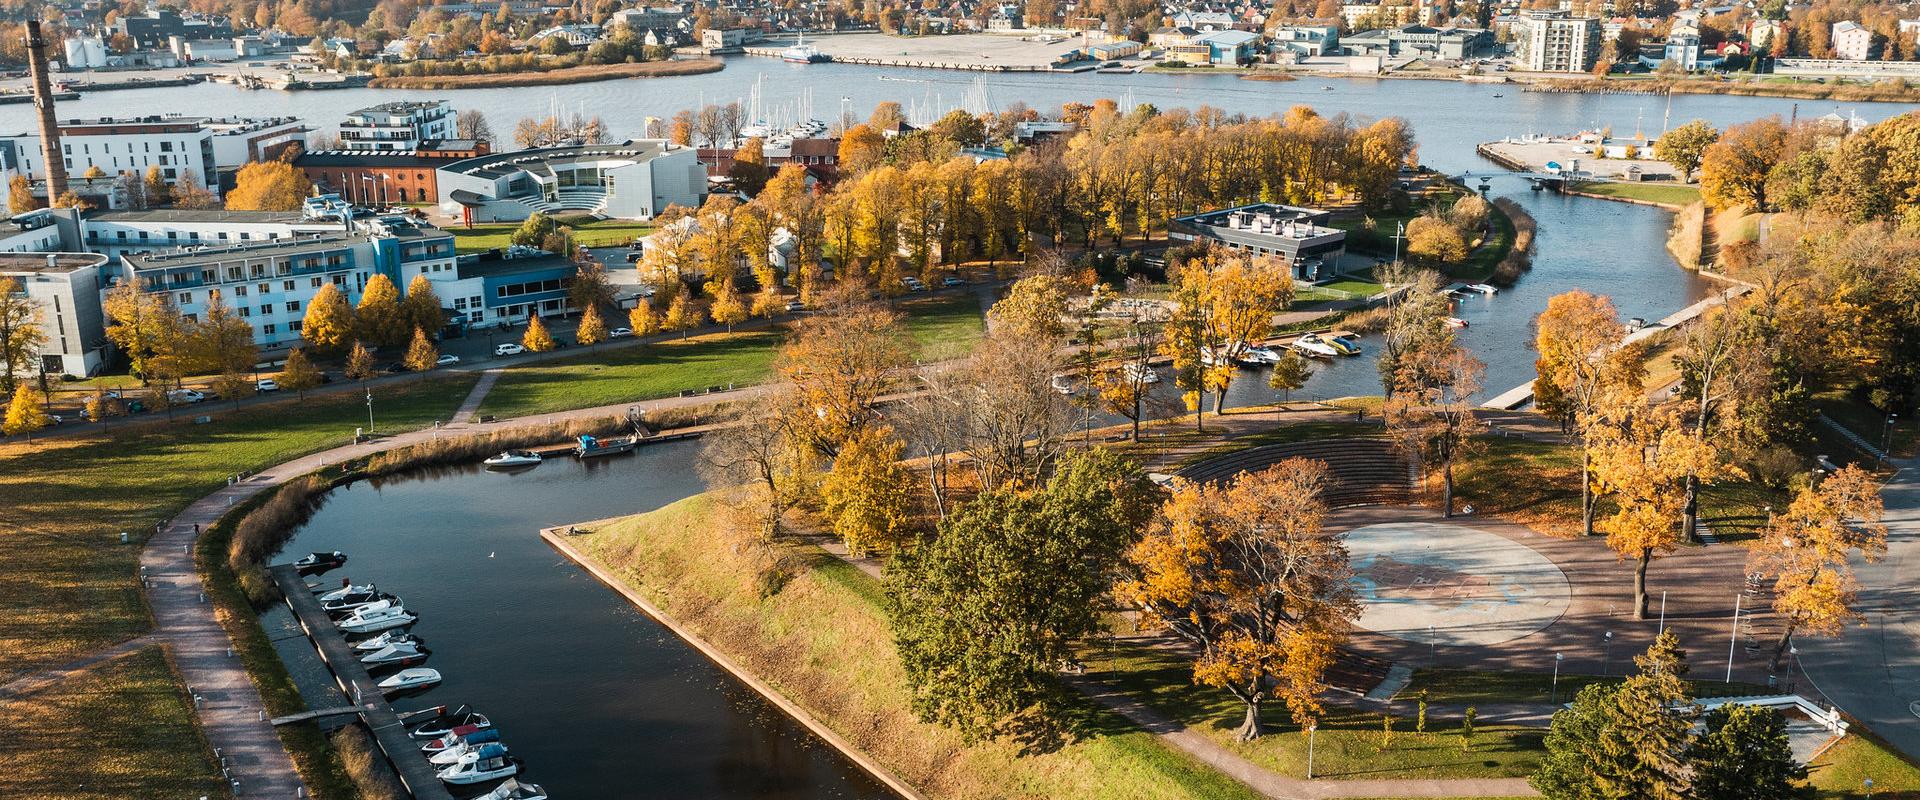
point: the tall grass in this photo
(368, 768)
(1686, 242)
(1519, 258)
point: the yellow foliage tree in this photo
(839, 362)
(1246, 573)
(1807, 549)
(298, 373)
(20, 199)
(728, 307)
(328, 324)
(27, 412)
(1578, 338)
(268, 186)
(867, 494)
(360, 362)
(1432, 239)
(379, 318)
(421, 308)
(421, 355)
(537, 338)
(592, 331)
(643, 320)
(683, 314)
(768, 303)
(1642, 456)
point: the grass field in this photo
(1665, 194)
(1349, 744)
(71, 584)
(587, 231)
(122, 730)
(1841, 771)
(1464, 687)
(823, 641)
(940, 328)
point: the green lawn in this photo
(940, 328)
(586, 231)
(70, 584)
(1349, 744)
(123, 729)
(824, 641)
(1663, 193)
(1481, 263)
(1842, 770)
(1467, 687)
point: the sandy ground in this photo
(1536, 154)
(972, 48)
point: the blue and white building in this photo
(631, 180)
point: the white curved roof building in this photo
(631, 180)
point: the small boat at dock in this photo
(447, 721)
(1314, 344)
(375, 620)
(513, 789)
(1455, 323)
(514, 458)
(414, 678)
(467, 749)
(388, 638)
(329, 595)
(490, 762)
(591, 447)
(397, 655)
(451, 738)
(346, 604)
(320, 562)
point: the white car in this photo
(185, 396)
(619, 333)
(266, 385)
(508, 349)
(447, 360)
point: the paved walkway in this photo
(1872, 671)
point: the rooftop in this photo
(494, 266)
(1271, 219)
(47, 263)
(402, 107)
(320, 242)
(541, 159)
(183, 215)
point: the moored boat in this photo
(491, 762)
(346, 604)
(467, 749)
(390, 637)
(1311, 344)
(401, 655)
(1455, 322)
(345, 589)
(591, 446)
(320, 562)
(374, 620)
(411, 678)
(1349, 345)
(514, 458)
(447, 721)
(449, 739)
(513, 789)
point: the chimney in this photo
(43, 103)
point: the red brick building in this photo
(385, 178)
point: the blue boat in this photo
(590, 447)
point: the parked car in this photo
(619, 333)
(951, 281)
(185, 396)
(508, 349)
(795, 306)
(266, 385)
(447, 360)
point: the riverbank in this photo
(1757, 86)
(822, 640)
(565, 75)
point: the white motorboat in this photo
(513, 789)
(467, 749)
(1259, 354)
(347, 604)
(375, 620)
(1483, 288)
(412, 678)
(344, 590)
(405, 655)
(492, 763)
(1455, 322)
(390, 637)
(1311, 344)
(451, 738)
(450, 721)
(514, 458)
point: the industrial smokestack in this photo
(43, 103)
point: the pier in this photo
(401, 750)
(1518, 396)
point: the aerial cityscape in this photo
(532, 400)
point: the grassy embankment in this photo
(124, 729)
(1893, 91)
(587, 231)
(823, 641)
(581, 74)
(1664, 194)
(940, 328)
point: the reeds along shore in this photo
(582, 74)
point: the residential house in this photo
(1852, 41)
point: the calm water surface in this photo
(598, 699)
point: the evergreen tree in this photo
(537, 338)
(421, 353)
(1573, 746)
(1743, 755)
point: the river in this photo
(602, 702)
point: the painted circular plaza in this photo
(1453, 585)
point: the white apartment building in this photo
(398, 126)
(1556, 41)
(175, 145)
(66, 288)
(1852, 41)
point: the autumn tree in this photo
(1124, 387)
(1416, 335)
(328, 324)
(1684, 147)
(1000, 408)
(1432, 239)
(1733, 170)
(140, 324)
(537, 339)
(421, 308)
(268, 186)
(189, 193)
(360, 362)
(20, 199)
(1247, 574)
(379, 317)
(27, 412)
(841, 361)
(749, 171)
(1034, 307)
(1806, 550)
(1578, 338)
(1435, 423)
(756, 464)
(158, 193)
(222, 341)
(472, 123)
(986, 611)
(21, 336)
(591, 288)
(591, 331)
(861, 148)
(1643, 456)
(683, 314)
(867, 496)
(728, 307)
(422, 354)
(298, 374)
(1289, 375)
(643, 320)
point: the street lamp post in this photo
(1311, 727)
(369, 410)
(1554, 698)
(1607, 665)
(1867, 784)
(1886, 437)
(1400, 232)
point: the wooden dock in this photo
(1513, 399)
(401, 750)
